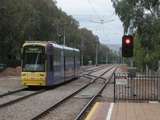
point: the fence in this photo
(139, 87)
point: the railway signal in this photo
(127, 46)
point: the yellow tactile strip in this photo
(99, 111)
(125, 111)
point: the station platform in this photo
(124, 111)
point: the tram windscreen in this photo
(33, 59)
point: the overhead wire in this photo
(94, 10)
(100, 22)
(110, 4)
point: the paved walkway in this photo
(124, 111)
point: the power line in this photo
(94, 10)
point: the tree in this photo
(25, 20)
(142, 19)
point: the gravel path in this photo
(30, 107)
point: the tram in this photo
(48, 64)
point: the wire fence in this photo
(136, 88)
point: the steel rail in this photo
(86, 77)
(21, 98)
(12, 92)
(83, 111)
(87, 69)
(89, 76)
(22, 89)
(95, 76)
(32, 94)
(95, 69)
(26, 96)
(98, 68)
(44, 113)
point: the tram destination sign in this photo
(33, 50)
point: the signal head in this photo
(127, 46)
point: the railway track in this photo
(4, 104)
(62, 101)
(89, 72)
(16, 99)
(93, 98)
(88, 68)
(12, 92)
(22, 89)
(25, 88)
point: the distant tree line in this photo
(142, 19)
(41, 20)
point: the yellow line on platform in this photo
(92, 112)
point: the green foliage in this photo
(41, 20)
(138, 53)
(142, 18)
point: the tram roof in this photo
(44, 43)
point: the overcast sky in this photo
(88, 12)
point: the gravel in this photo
(98, 73)
(108, 75)
(30, 107)
(9, 83)
(69, 109)
(108, 93)
(8, 98)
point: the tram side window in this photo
(50, 62)
(57, 59)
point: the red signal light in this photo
(127, 46)
(127, 41)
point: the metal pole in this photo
(96, 53)
(131, 62)
(82, 59)
(114, 88)
(64, 37)
(82, 44)
(106, 57)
